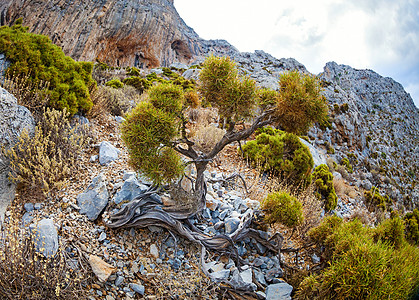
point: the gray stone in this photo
(274, 273)
(259, 277)
(119, 119)
(231, 225)
(279, 291)
(315, 259)
(14, 119)
(27, 218)
(154, 251)
(28, 207)
(102, 237)
(119, 280)
(238, 283)
(107, 153)
(178, 66)
(129, 190)
(94, 199)
(319, 157)
(246, 275)
(220, 275)
(45, 237)
(38, 206)
(138, 288)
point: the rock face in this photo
(13, 120)
(142, 33)
(378, 123)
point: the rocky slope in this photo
(145, 33)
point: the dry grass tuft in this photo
(205, 138)
(45, 160)
(25, 274)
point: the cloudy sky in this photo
(382, 35)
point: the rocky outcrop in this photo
(13, 120)
(376, 122)
(142, 33)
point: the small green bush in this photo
(141, 84)
(221, 85)
(411, 221)
(323, 180)
(36, 56)
(281, 207)
(374, 199)
(391, 231)
(267, 97)
(133, 71)
(281, 153)
(345, 162)
(359, 266)
(300, 102)
(115, 83)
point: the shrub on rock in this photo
(36, 57)
(323, 180)
(281, 153)
(281, 207)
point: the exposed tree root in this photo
(147, 210)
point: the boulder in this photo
(129, 190)
(13, 120)
(94, 199)
(45, 237)
(319, 156)
(107, 153)
(279, 291)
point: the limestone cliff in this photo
(142, 33)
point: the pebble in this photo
(138, 288)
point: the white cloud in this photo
(382, 35)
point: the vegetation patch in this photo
(374, 199)
(362, 262)
(323, 180)
(281, 153)
(281, 207)
(37, 57)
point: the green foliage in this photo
(374, 199)
(323, 180)
(223, 88)
(345, 162)
(281, 207)
(115, 83)
(133, 71)
(267, 97)
(149, 130)
(141, 84)
(361, 266)
(166, 97)
(300, 102)
(411, 221)
(36, 56)
(281, 153)
(391, 231)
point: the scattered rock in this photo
(45, 237)
(94, 199)
(138, 288)
(107, 153)
(154, 251)
(279, 291)
(101, 269)
(231, 225)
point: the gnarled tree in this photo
(155, 133)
